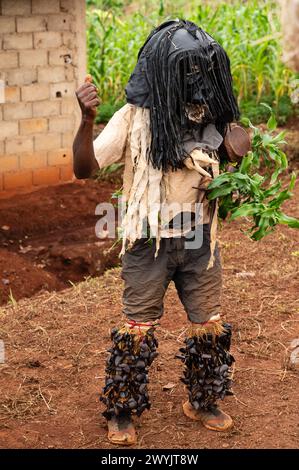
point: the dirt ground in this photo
(47, 239)
(55, 342)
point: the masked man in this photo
(170, 137)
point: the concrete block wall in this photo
(42, 61)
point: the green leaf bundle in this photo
(246, 192)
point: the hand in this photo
(87, 96)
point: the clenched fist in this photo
(88, 98)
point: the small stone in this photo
(25, 249)
(294, 359)
(291, 360)
(245, 274)
(294, 344)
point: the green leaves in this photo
(272, 123)
(258, 197)
(223, 190)
(287, 220)
(246, 210)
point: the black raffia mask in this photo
(180, 64)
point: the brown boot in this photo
(121, 430)
(213, 419)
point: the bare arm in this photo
(84, 159)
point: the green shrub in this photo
(254, 190)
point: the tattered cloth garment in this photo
(149, 189)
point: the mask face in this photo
(193, 75)
(201, 96)
(191, 79)
(180, 71)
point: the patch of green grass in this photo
(257, 113)
(109, 173)
(106, 111)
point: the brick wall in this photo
(42, 61)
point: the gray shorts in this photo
(147, 278)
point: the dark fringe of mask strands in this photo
(170, 95)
